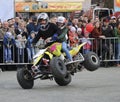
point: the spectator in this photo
(107, 31)
(97, 19)
(10, 21)
(79, 31)
(85, 19)
(73, 37)
(113, 22)
(69, 25)
(4, 29)
(97, 34)
(32, 26)
(117, 44)
(80, 23)
(17, 20)
(13, 21)
(22, 29)
(83, 27)
(12, 29)
(75, 23)
(0, 25)
(53, 19)
(8, 42)
(30, 47)
(20, 44)
(87, 46)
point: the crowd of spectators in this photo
(20, 33)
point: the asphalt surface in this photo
(102, 85)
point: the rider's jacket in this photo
(50, 30)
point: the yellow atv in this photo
(51, 63)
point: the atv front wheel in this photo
(58, 68)
(24, 78)
(92, 61)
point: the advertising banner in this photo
(47, 7)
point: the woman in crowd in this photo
(97, 34)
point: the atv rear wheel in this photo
(24, 78)
(92, 61)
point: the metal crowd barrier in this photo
(105, 48)
(18, 55)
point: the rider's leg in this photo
(65, 49)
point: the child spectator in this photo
(87, 46)
(79, 31)
(73, 37)
(30, 47)
(8, 42)
(20, 44)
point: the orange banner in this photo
(47, 7)
(116, 5)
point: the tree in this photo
(106, 3)
(109, 3)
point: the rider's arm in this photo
(62, 35)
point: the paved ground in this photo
(102, 85)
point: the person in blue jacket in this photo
(8, 42)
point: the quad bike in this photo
(51, 63)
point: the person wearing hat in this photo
(113, 21)
(107, 31)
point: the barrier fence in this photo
(107, 49)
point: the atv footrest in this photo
(71, 62)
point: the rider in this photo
(62, 36)
(47, 29)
